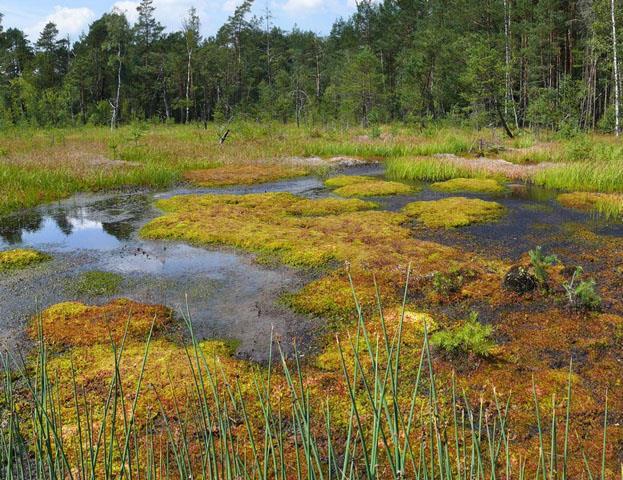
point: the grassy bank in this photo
(44, 165)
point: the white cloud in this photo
(69, 21)
(294, 6)
(230, 5)
(129, 8)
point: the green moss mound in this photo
(97, 283)
(21, 258)
(376, 188)
(344, 180)
(362, 186)
(480, 185)
(454, 212)
(329, 206)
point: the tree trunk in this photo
(115, 110)
(617, 119)
(190, 52)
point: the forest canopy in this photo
(548, 64)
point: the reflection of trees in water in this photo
(126, 205)
(13, 226)
(119, 230)
(62, 221)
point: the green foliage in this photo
(447, 283)
(469, 336)
(582, 293)
(539, 263)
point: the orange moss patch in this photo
(72, 324)
(243, 174)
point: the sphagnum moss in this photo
(71, 324)
(363, 186)
(369, 241)
(454, 211)
(21, 258)
(478, 185)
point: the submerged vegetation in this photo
(454, 212)
(97, 283)
(20, 258)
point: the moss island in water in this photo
(478, 185)
(454, 212)
(270, 224)
(363, 186)
(72, 324)
(21, 258)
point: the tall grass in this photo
(583, 176)
(426, 169)
(389, 434)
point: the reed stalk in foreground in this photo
(212, 434)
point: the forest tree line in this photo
(515, 63)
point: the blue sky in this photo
(74, 16)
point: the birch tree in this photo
(192, 37)
(118, 36)
(615, 61)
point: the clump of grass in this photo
(609, 205)
(425, 169)
(582, 293)
(454, 212)
(470, 337)
(97, 283)
(21, 258)
(479, 185)
(595, 176)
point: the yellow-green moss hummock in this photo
(481, 185)
(607, 204)
(271, 224)
(454, 211)
(71, 324)
(361, 186)
(329, 206)
(21, 258)
(344, 180)
(243, 174)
